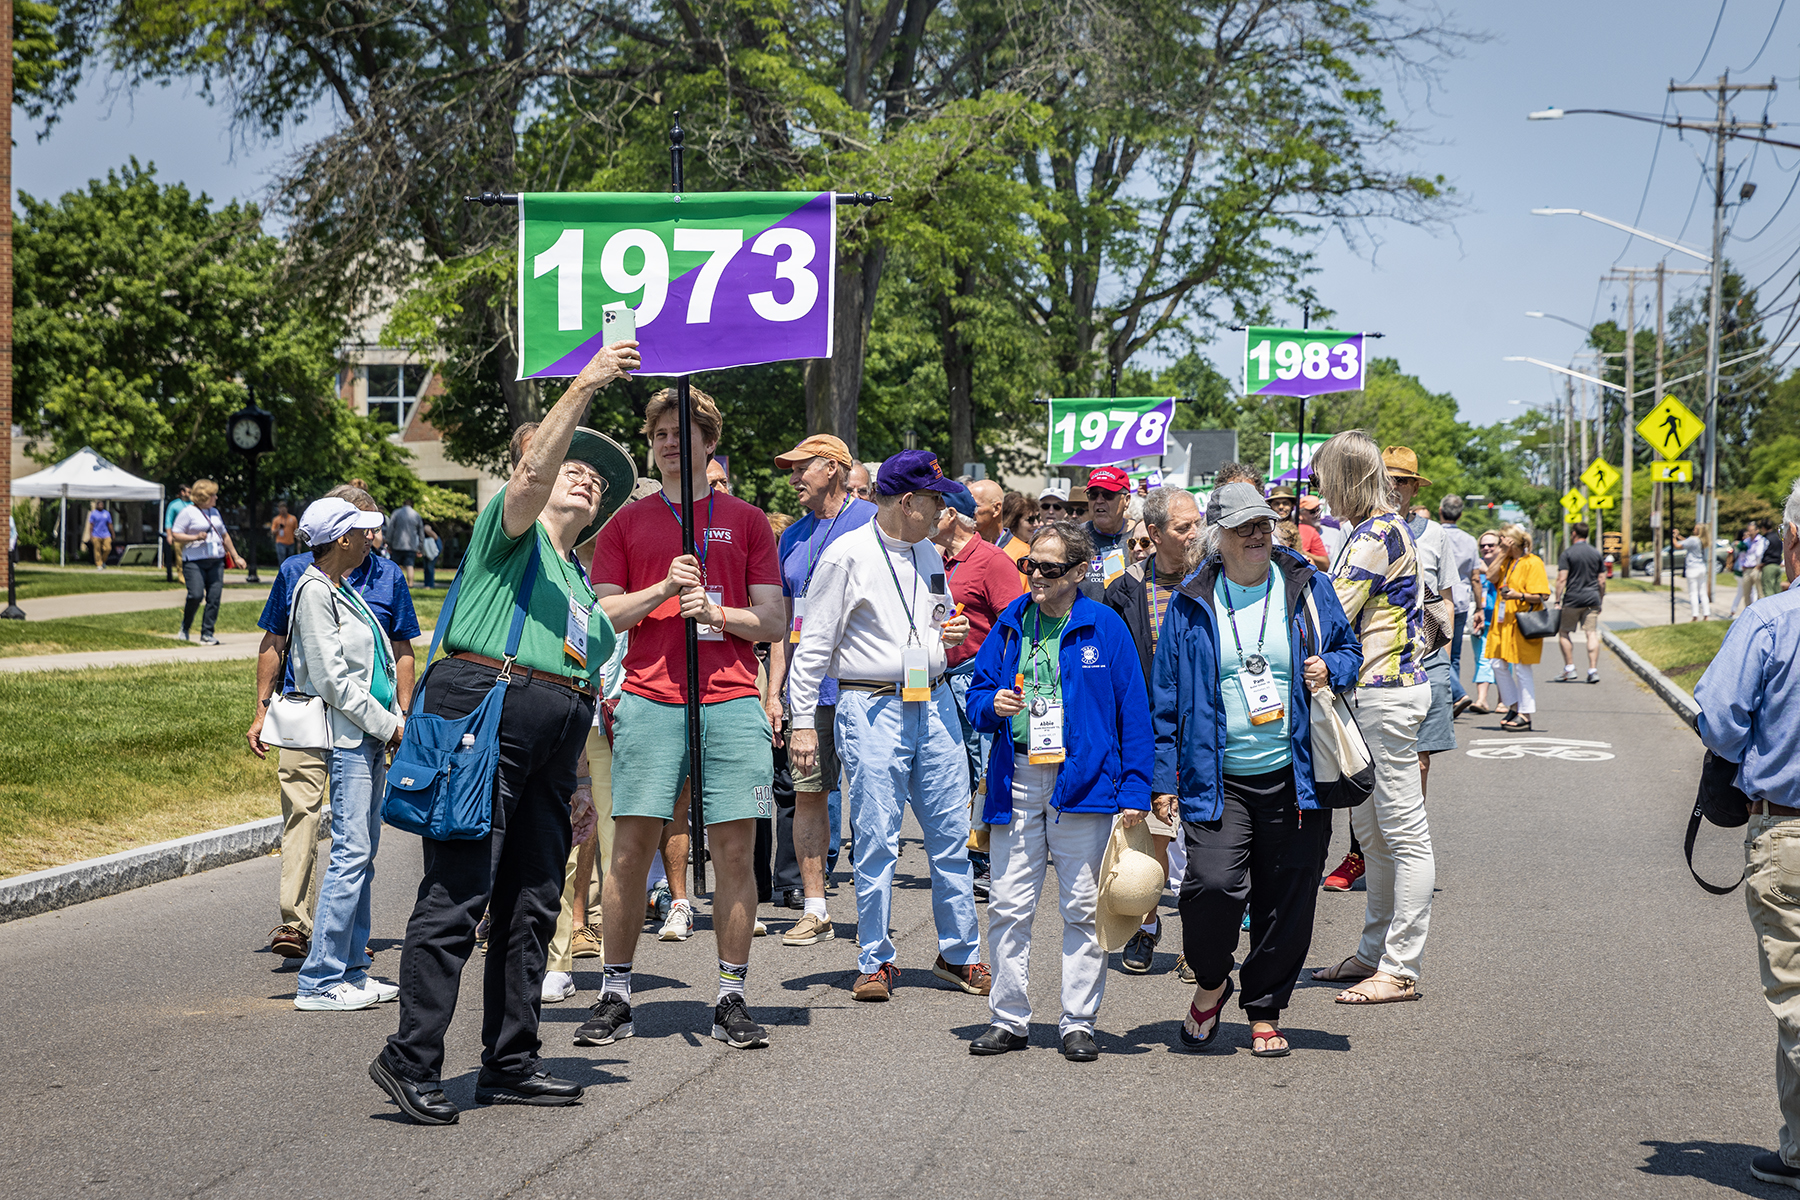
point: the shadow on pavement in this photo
(1724, 1163)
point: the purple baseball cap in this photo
(914, 471)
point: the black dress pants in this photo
(515, 874)
(1262, 853)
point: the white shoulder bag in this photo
(296, 720)
(1340, 754)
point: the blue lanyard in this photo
(814, 542)
(699, 542)
(912, 630)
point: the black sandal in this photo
(1517, 724)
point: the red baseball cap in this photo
(1110, 479)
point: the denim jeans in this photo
(1456, 645)
(977, 744)
(899, 751)
(340, 932)
(430, 565)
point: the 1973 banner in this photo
(724, 279)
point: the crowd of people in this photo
(1127, 699)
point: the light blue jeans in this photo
(978, 745)
(896, 752)
(340, 933)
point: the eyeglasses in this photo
(1049, 570)
(580, 471)
(1139, 543)
(1251, 528)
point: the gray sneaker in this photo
(680, 925)
(808, 930)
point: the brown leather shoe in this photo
(289, 942)
(974, 979)
(879, 985)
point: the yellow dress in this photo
(1504, 643)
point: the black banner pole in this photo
(696, 775)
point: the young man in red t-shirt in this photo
(732, 587)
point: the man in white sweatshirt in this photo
(878, 618)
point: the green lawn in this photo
(92, 762)
(148, 630)
(1682, 652)
(36, 581)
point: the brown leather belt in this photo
(875, 687)
(526, 674)
(1759, 808)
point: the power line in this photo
(1709, 41)
(1766, 37)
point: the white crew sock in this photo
(616, 980)
(731, 978)
(816, 906)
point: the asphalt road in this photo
(1591, 1024)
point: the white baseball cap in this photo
(327, 520)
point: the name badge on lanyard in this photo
(1112, 564)
(1262, 696)
(915, 670)
(1044, 734)
(575, 634)
(713, 633)
(799, 611)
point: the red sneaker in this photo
(1346, 875)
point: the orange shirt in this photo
(283, 529)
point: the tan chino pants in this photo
(302, 775)
(599, 753)
(1772, 894)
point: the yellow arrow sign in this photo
(1671, 472)
(1601, 501)
(1670, 427)
(1600, 476)
(1574, 501)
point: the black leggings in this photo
(1262, 853)
(205, 581)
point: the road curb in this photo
(1680, 701)
(59, 887)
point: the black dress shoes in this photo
(998, 1040)
(424, 1103)
(1079, 1047)
(541, 1089)
(793, 898)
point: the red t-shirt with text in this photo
(634, 551)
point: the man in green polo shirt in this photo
(565, 480)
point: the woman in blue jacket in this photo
(1239, 653)
(1061, 674)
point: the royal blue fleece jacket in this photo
(1106, 730)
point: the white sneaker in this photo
(759, 929)
(345, 997)
(558, 986)
(384, 991)
(680, 925)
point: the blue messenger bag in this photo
(441, 785)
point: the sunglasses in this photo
(1049, 570)
(1139, 543)
(1490, 545)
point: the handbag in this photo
(296, 720)
(441, 783)
(1437, 620)
(1720, 801)
(1535, 623)
(1343, 769)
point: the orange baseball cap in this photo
(819, 445)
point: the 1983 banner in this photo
(1090, 432)
(1301, 362)
(724, 279)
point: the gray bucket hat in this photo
(1236, 503)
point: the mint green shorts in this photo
(650, 759)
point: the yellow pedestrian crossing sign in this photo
(1600, 476)
(1601, 501)
(1671, 472)
(1670, 428)
(1573, 501)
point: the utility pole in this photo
(1627, 433)
(1657, 529)
(1721, 129)
(12, 610)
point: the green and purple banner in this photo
(715, 279)
(1301, 362)
(1089, 431)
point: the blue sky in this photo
(1452, 302)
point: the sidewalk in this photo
(231, 646)
(94, 604)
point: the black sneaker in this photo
(1140, 951)
(609, 1021)
(1769, 1168)
(733, 1026)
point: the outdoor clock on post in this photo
(251, 431)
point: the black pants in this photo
(515, 873)
(787, 864)
(1262, 853)
(205, 581)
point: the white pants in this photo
(1019, 852)
(1516, 686)
(1699, 603)
(1390, 825)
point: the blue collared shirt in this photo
(379, 581)
(1750, 699)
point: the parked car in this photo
(1722, 551)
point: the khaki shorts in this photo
(1587, 618)
(826, 767)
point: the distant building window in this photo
(394, 392)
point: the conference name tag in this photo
(575, 635)
(1112, 565)
(915, 670)
(713, 633)
(1262, 696)
(799, 611)
(1044, 732)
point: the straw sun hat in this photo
(1130, 883)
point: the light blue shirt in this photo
(1253, 749)
(1750, 699)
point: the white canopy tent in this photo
(84, 475)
